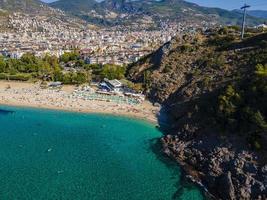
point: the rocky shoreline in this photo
(222, 171)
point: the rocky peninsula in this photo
(213, 85)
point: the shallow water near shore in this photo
(47, 154)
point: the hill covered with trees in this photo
(214, 87)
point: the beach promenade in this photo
(32, 95)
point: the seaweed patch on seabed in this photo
(5, 112)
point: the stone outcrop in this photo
(226, 173)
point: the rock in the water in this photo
(226, 188)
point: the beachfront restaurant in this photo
(113, 85)
(55, 84)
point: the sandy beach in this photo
(32, 95)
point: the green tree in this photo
(69, 56)
(2, 64)
(67, 78)
(80, 77)
(259, 121)
(58, 75)
(261, 70)
(147, 79)
(113, 72)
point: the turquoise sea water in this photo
(71, 156)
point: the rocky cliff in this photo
(214, 88)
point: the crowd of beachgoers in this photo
(73, 99)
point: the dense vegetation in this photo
(69, 69)
(243, 107)
(242, 104)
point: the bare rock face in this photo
(225, 186)
(227, 173)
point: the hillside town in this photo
(42, 36)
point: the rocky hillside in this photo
(258, 13)
(214, 88)
(255, 13)
(23, 5)
(36, 11)
(75, 6)
(110, 12)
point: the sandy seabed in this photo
(32, 95)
